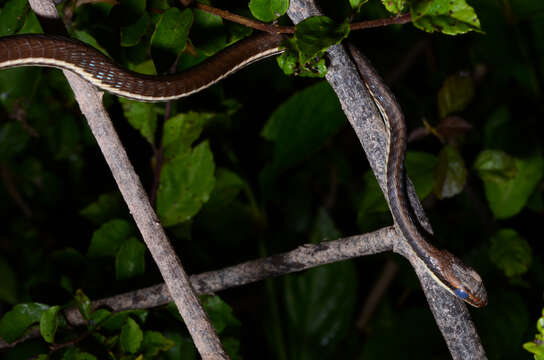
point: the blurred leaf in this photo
(49, 323)
(420, 167)
(142, 117)
(118, 319)
(131, 336)
(12, 16)
(268, 10)
(449, 17)
(493, 165)
(130, 259)
(300, 126)
(320, 305)
(181, 131)
(154, 342)
(107, 206)
(131, 34)
(109, 237)
(185, 185)
(183, 347)
(510, 252)
(394, 6)
(13, 140)
(507, 196)
(83, 304)
(227, 187)
(450, 173)
(15, 322)
(8, 279)
(220, 312)
(456, 93)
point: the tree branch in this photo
(450, 313)
(302, 258)
(177, 281)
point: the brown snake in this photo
(90, 64)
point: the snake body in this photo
(90, 64)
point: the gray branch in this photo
(450, 313)
(302, 258)
(90, 102)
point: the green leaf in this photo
(98, 316)
(89, 39)
(220, 312)
(109, 237)
(117, 320)
(170, 36)
(13, 139)
(142, 117)
(510, 252)
(456, 93)
(181, 131)
(14, 323)
(12, 16)
(507, 194)
(8, 279)
(394, 6)
(105, 208)
(183, 349)
(494, 165)
(450, 173)
(316, 34)
(300, 126)
(320, 304)
(130, 259)
(154, 342)
(208, 32)
(83, 304)
(185, 185)
(268, 10)
(49, 323)
(420, 167)
(290, 63)
(132, 34)
(131, 337)
(450, 17)
(227, 187)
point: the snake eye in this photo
(461, 293)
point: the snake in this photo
(90, 64)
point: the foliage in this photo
(262, 163)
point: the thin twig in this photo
(276, 29)
(254, 24)
(402, 19)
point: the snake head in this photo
(463, 281)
